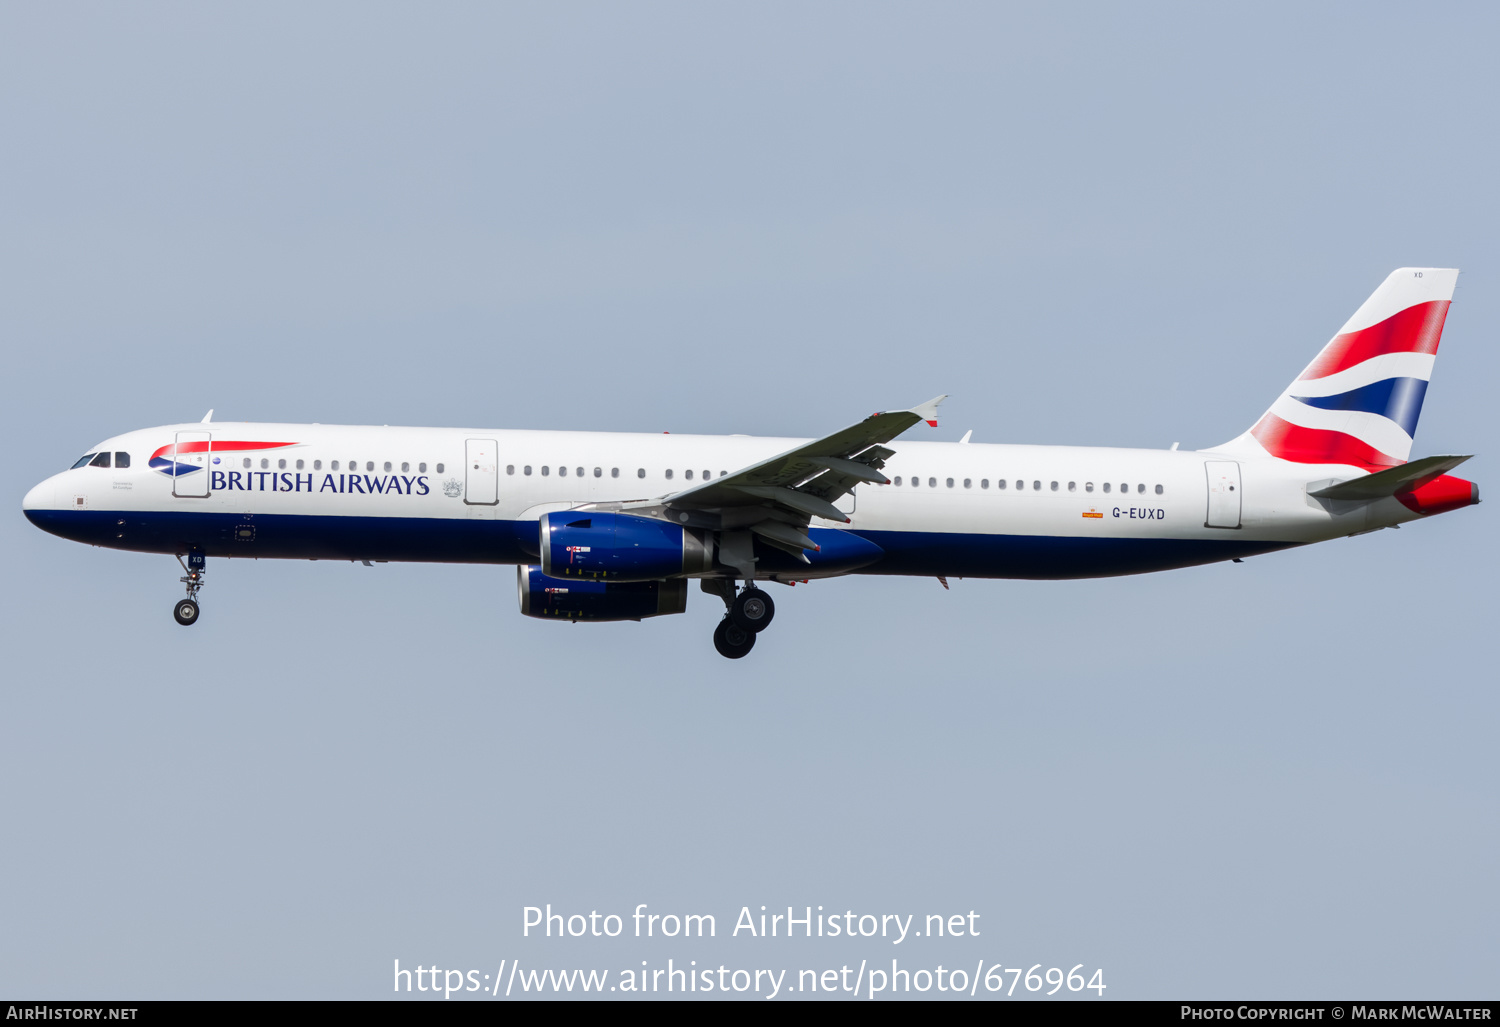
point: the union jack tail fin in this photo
(1357, 403)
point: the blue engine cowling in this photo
(590, 599)
(619, 547)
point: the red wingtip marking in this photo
(817, 549)
(932, 423)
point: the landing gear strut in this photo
(748, 611)
(186, 610)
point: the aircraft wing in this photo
(776, 497)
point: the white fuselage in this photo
(354, 492)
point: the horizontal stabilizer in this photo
(1392, 480)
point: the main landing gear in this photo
(733, 641)
(748, 613)
(186, 610)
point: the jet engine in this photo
(619, 547)
(591, 599)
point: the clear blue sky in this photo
(1092, 224)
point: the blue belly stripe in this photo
(442, 540)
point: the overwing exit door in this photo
(1223, 494)
(190, 464)
(482, 472)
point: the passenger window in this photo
(984, 483)
(950, 483)
(706, 475)
(1000, 483)
(915, 481)
(598, 472)
(898, 480)
(299, 465)
(335, 463)
(578, 471)
(422, 467)
(526, 470)
(1072, 486)
(614, 472)
(509, 468)
(123, 460)
(1054, 486)
(1020, 486)
(1088, 486)
(640, 472)
(406, 467)
(1158, 490)
(440, 468)
(688, 474)
(281, 465)
(1124, 487)
(723, 474)
(562, 472)
(370, 465)
(102, 460)
(1141, 488)
(968, 483)
(545, 471)
(317, 465)
(1106, 486)
(669, 474)
(932, 483)
(386, 467)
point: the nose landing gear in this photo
(186, 611)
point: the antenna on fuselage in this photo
(208, 417)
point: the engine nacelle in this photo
(619, 547)
(591, 599)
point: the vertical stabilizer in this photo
(1358, 402)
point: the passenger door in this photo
(481, 472)
(1223, 494)
(190, 464)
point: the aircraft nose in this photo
(38, 499)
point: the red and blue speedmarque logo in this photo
(164, 459)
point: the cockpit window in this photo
(82, 460)
(102, 460)
(122, 460)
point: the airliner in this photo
(605, 526)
